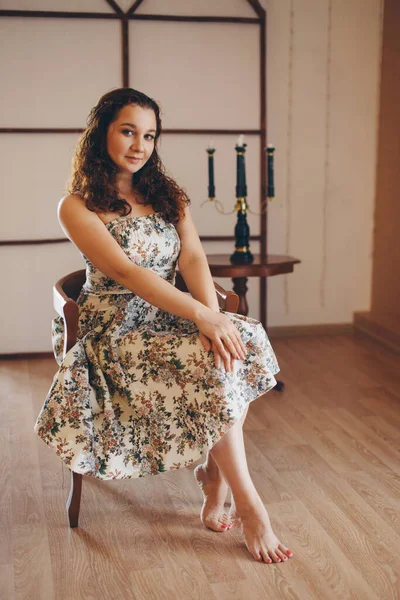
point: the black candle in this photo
(241, 188)
(211, 186)
(271, 186)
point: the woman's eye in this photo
(125, 131)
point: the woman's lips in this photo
(133, 160)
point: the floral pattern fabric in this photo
(138, 394)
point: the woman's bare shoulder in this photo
(70, 201)
(72, 210)
(75, 204)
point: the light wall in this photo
(322, 101)
(323, 79)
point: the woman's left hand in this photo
(209, 345)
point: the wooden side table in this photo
(273, 264)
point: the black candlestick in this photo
(241, 187)
(242, 254)
(211, 186)
(271, 186)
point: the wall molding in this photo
(366, 326)
(309, 330)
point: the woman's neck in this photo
(131, 196)
(124, 185)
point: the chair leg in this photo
(74, 499)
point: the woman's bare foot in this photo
(214, 490)
(233, 515)
(259, 538)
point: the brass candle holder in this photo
(242, 254)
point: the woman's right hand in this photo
(221, 331)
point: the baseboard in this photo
(308, 330)
(364, 325)
(26, 355)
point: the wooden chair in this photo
(65, 293)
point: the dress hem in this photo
(207, 447)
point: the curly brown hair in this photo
(93, 171)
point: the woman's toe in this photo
(226, 519)
(266, 557)
(256, 553)
(274, 556)
(281, 554)
(215, 525)
(285, 550)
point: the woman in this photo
(157, 377)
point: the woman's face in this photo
(130, 138)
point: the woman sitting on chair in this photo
(157, 377)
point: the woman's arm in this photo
(194, 269)
(199, 282)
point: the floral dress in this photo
(138, 394)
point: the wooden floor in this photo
(324, 456)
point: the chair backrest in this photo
(65, 292)
(67, 289)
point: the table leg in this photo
(240, 288)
